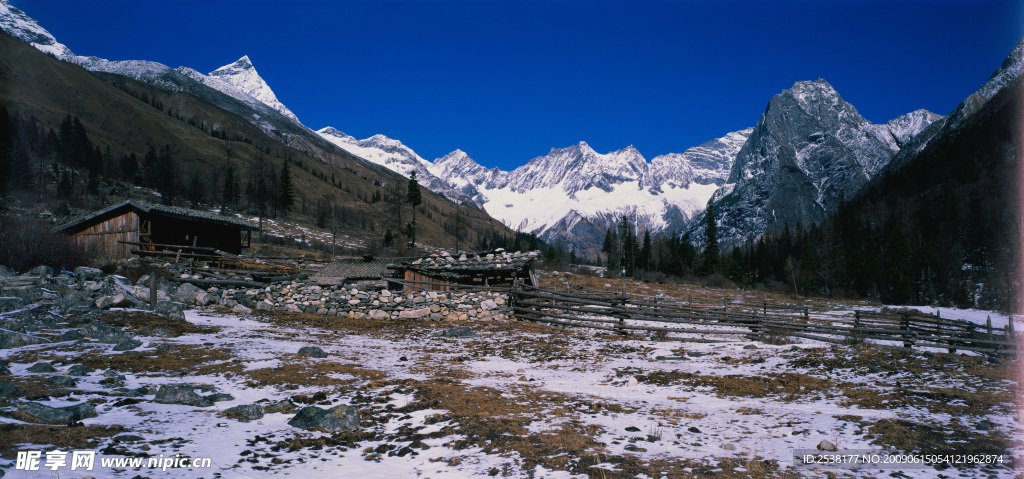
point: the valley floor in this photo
(516, 400)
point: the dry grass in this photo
(181, 360)
(12, 436)
(136, 321)
(297, 370)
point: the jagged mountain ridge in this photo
(574, 194)
(809, 150)
(395, 156)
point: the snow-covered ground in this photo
(523, 400)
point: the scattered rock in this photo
(312, 351)
(11, 303)
(247, 411)
(632, 382)
(105, 334)
(694, 354)
(86, 273)
(241, 308)
(127, 345)
(825, 445)
(218, 397)
(458, 333)
(169, 309)
(11, 339)
(71, 335)
(338, 418)
(8, 390)
(186, 293)
(984, 426)
(41, 413)
(79, 370)
(283, 406)
(63, 381)
(693, 429)
(632, 429)
(750, 346)
(180, 394)
(4, 370)
(729, 446)
(128, 438)
(414, 313)
(42, 368)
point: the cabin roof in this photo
(158, 210)
(498, 260)
(359, 268)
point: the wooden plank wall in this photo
(101, 240)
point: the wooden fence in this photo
(718, 319)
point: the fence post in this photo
(907, 341)
(152, 290)
(725, 305)
(765, 299)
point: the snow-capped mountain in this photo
(20, 25)
(809, 150)
(242, 75)
(575, 193)
(394, 155)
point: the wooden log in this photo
(221, 282)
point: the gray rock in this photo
(203, 298)
(187, 292)
(750, 346)
(180, 394)
(170, 309)
(86, 273)
(241, 308)
(8, 390)
(41, 413)
(11, 303)
(11, 339)
(218, 397)
(42, 271)
(825, 445)
(79, 370)
(247, 411)
(312, 351)
(127, 345)
(128, 438)
(42, 368)
(105, 334)
(458, 333)
(63, 381)
(283, 406)
(338, 418)
(983, 426)
(4, 370)
(71, 335)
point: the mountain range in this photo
(808, 152)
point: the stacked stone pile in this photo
(354, 303)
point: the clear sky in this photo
(506, 81)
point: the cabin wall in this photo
(100, 240)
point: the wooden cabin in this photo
(133, 226)
(444, 272)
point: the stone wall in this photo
(350, 302)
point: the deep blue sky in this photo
(508, 80)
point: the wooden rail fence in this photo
(731, 318)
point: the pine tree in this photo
(645, 259)
(286, 197)
(415, 198)
(710, 260)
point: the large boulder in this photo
(186, 293)
(11, 303)
(181, 394)
(42, 271)
(42, 368)
(8, 390)
(414, 313)
(170, 309)
(312, 351)
(247, 412)
(41, 413)
(127, 345)
(338, 418)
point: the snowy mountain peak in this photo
(242, 75)
(20, 25)
(332, 131)
(907, 126)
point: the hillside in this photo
(127, 118)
